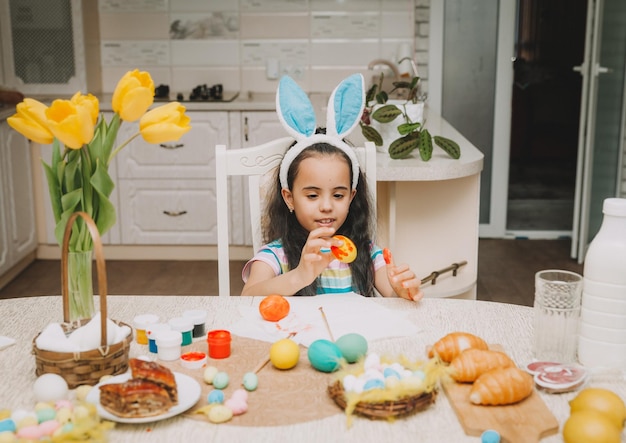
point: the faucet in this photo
(413, 64)
(380, 61)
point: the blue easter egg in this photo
(374, 383)
(7, 425)
(215, 396)
(390, 372)
(324, 355)
(353, 346)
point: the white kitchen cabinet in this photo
(43, 46)
(17, 211)
(167, 191)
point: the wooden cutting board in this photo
(526, 421)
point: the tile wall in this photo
(246, 45)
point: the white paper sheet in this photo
(346, 313)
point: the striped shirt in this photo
(336, 278)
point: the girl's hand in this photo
(316, 254)
(402, 279)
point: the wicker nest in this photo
(385, 409)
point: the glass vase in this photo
(80, 285)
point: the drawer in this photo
(164, 212)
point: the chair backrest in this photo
(255, 163)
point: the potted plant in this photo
(398, 125)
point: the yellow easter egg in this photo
(345, 253)
(284, 354)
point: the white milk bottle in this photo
(602, 340)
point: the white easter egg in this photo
(372, 361)
(50, 387)
(348, 382)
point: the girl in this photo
(320, 191)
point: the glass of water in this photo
(558, 296)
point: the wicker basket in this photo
(87, 367)
(385, 409)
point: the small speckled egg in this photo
(220, 381)
(238, 406)
(7, 437)
(215, 396)
(250, 381)
(46, 414)
(50, 387)
(374, 383)
(324, 355)
(352, 346)
(7, 425)
(219, 414)
(81, 392)
(209, 374)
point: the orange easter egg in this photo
(346, 252)
(274, 307)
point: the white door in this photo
(470, 85)
(602, 119)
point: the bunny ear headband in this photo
(297, 115)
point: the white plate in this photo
(189, 392)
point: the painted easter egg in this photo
(324, 355)
(352, 346)
(345, 253)
(284, 354)
(274, 307)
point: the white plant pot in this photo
(389, 131)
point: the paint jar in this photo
(218, 342)
(168, 345)
(198, 317)
(141, 322)
(184, 326)
(151, 332)
(193, 360)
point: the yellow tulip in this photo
(30, 121)
(90, 102)
(133, 95)
(164, 123)
(70, 123)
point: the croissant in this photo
(454, 343)
(501, 387)
(471, 363)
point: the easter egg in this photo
(250, 381)
(284, 354)
(50, 387)
(220, 381)
(274, 307)
(345, 253)
(352, 346)
(324, 355)
(219, 414)
(215, 396)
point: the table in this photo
(505, 324)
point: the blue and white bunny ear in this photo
(345, 106)
(294, 108)
(297, 115)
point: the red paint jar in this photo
(218, 341)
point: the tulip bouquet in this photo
(84, 144)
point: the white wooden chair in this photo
(255, 163)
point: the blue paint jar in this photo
(151, 332)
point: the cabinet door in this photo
(17, 188)
(193, 156)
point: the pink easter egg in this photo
(236, 405)
(63, 404)
(30, 432)
(48, 427)
(241, 394)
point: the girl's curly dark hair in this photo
(279, 223)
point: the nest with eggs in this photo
(402, 397)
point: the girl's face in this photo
(321, 194)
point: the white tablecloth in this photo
(498, 323)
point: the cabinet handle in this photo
(245, 128)
(174, 214)
(176, 146)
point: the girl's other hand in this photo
(402, 279)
